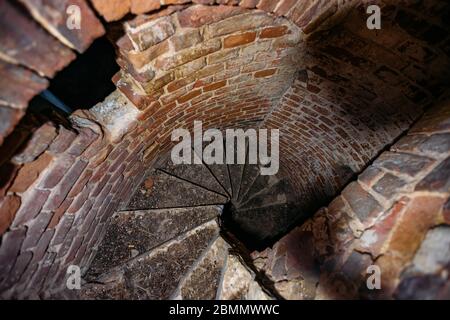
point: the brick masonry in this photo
(229, 65)
(384, 218)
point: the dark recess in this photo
(87, 80)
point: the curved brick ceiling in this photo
(332, 93)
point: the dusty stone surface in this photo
(263, 224)
(132, 233)
(203, 281)
(239, 284)
(117, 114)
(171, 192)
(195, 173)
(154, 275)
(251, 173)
(266, 191)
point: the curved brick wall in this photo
(339, 97)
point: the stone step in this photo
(236, 171)
(154, 275)
(220, 172)
(132, 233)
(203, 281)
(160, 190)
(239, 282)
(267, 191)
(265, 223)
(198, 174)
(251, 173)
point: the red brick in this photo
(267, 5)
(36, 228)
(38, 143)
(248, 4)
(9, 250)
(199, 15)
(189, 96)
(140, 59)
(112, 10)
(274, 32)
(53, 15)
(185, 56)
(18, 85)
(32, 203)
(8, 208)
(238, 40)
(284, 6)
(56, 172)
(265, 73)
(362, 203)
(82, 141)
(65, 185)
(215, 86)
(62, 141)
(10, 117)
(438, 180)
(8, 172)
(23, 41)
(154, 32)
(29, 173)
(58, 213)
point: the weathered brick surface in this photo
(18, 85)
(346, 242)
(112, 9)
(25, 43)
(53, 17)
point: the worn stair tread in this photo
(219, 171)
(251, 173)
(198, 174)
(239, 283)
(273, 194)
(204, 279)
(132, 233)
(154, 275)
(236, 171)
(259, 185)
(161, 190)
(263, 224)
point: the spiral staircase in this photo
(187, 233)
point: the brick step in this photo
(132, 233)
(205, 277)
(161, 190)
(156, 274)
